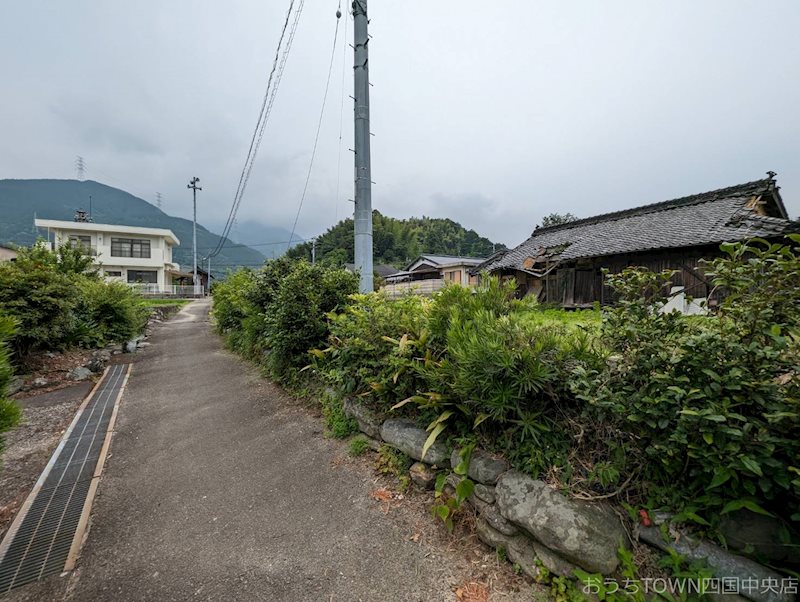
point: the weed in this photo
(358, 445)
(340, 425)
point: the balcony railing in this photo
(415, 287)
(178, 291)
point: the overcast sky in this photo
(490, 113)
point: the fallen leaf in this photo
(381, 495)
(472, 592)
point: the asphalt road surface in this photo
(219, 487)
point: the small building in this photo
(381, 269)
(563, 264)
(430, 273)
(7, 253)
(132, 254)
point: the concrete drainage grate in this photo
(41, 543)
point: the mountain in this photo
(398, 241)
(270, 240)
(21, 200)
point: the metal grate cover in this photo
(42, 542)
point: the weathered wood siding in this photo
(581, 283)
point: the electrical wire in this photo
(319, 125)
(273, 82)
(341, 118)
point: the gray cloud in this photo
(493, 115)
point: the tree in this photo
(556, 219)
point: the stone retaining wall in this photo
(537, 525)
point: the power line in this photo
(319, 122)
(273, 82)
(341, 119)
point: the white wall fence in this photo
(170, 290)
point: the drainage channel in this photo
(39, 542)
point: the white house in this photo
(129, 254)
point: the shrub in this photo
(41, 298)
(57, 305)
(491, 369)
(363, 336)
(107, 312)
(9, 411)
(231, 301)
(706, 410)
(297, 320)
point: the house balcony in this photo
(394, 290)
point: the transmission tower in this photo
(80, 167)
(158, 200)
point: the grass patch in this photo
(358, 446)
(340, 425)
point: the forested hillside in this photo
(398, 241)
(21, 200)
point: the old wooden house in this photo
(563, 264)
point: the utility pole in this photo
(313, 250)
(193, 185)
(363, 176)
(209, 273)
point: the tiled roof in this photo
(708, 218)
(450, 260)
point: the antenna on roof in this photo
(82, 216)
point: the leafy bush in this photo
(231, 303)
(107, 312)
(41, 298)
(56, 304)
(297, 319)
(276, 315)
(706, 410)
(363, 337)
(491, 369)
(9, 411)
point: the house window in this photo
(130, 247)
(454, 276)
(80, 241)
(113, 274)
(144, 276)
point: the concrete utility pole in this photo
(209, 273)
(193, 185)
(313, 250)
(363, 176)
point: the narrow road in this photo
(219, 487)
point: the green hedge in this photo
(696, 415)
(276, 314)
(57, 302)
